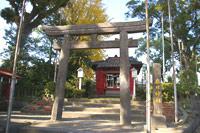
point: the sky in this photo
(115, 9)
(3, 25)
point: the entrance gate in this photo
(93, 30)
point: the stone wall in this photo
(168, 111)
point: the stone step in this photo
(102, 109)
(70, 115)
(112, 93)
(100, 100)
(102, 103)
(167, 130)
(93, 100)
(90, 105)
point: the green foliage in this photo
(155, 51)
(169, 79)
(41, 10)
(49, 89)
(8, 14)
(141, 92)
(188, 83)
(34, 78)
(185, 18)
(72, 91)
(89, 87)
(36, 54)
(167, 92)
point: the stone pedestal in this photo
(158, 121)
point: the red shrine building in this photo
(5, 82)
(107, 75)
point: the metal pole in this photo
(163, 45)
(1, 80)
(148, 98)
(134, 96)
(180, 52)
(174, 74)
(196, 83)
(56, 67)
(12, 88)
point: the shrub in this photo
(89, 87)
(72, 91)
(49, 89)
(188, 83)
(141, 92)
(167, 92)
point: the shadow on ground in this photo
(79, 119)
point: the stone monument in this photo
(158, 119)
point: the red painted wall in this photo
(6, 90)
(100, 82)
(131, 83)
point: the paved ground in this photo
(81, 116)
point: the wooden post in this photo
(173, 62)
(124, 81)
(148, 93)
(56, 113)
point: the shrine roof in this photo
(7, 73)
(115, 62)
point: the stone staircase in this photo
(98, 115)
(103, 109)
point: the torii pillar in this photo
(56, 113)
(125, 109)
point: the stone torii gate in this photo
(93, 30)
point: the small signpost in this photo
(80, 76)
(134, 76)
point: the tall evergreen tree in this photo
(185, 25)
(185, 19)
